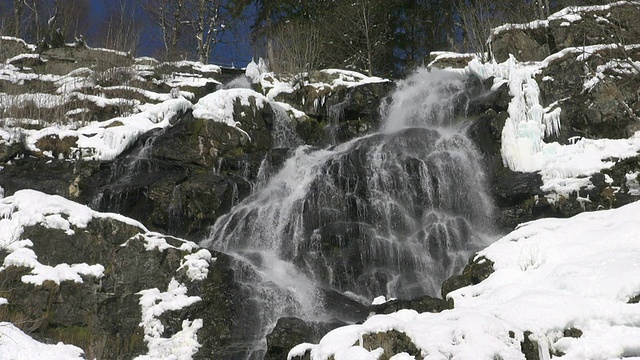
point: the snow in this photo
(566, 16)
(204, 68)
(155, 303)
(381, 300)
(349, 78)
(23, 56)
(183, 344)
(101, 141)
(195, 264)
(151, 95)
(632, 183)
(192, 81)
(331, 79)
(253, 71)
(439, 56)
(564, 168)
(610, 69)
(550, 275)
(219, 106)
(28, 208)
(29, 47)
(15, 344)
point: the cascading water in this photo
(393, 213)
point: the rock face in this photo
(537, 41)
(337, 114)
(102, 314)
(181, 179)
(592, 104)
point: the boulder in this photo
(392, 343)
(421, 304)
(530, 45)
(290, 332)
(478, 269)
(594, 100)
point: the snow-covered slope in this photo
(550, 275)
(26, 209)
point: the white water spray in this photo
(393, 213)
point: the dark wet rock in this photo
(103, 316)
(516, 195)
(9, 152)
(597, 112)
(392, 342)
(100, 316)
(573, 333)
(63, 59)
(198, 142)
(442, 61)
(476, 271)
(422, 304)
(590, 30)
(529, 347)
(339, 114)
(290, 332)
(530, 45)
(55, 177)
(12, 47)
(538, 42)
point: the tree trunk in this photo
(201, 33)
(18, 9)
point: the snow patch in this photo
(549, 275)
(15, 344)
(28, 208)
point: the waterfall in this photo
(393, 213)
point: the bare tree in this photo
(18, 11)
(359, 32)
(122, 29)
(35, 28)
(173, 17)
(297, 48)
(72, 17)
(476, 21)
(209, 26)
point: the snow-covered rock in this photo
(129, 278)
(552, 279)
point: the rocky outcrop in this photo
(337, 114)
(290, 332)
(477, 270)
(568, 29)
(104, 313)
(421, 304)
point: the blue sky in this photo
(235, 51)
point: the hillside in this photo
(186, 211)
